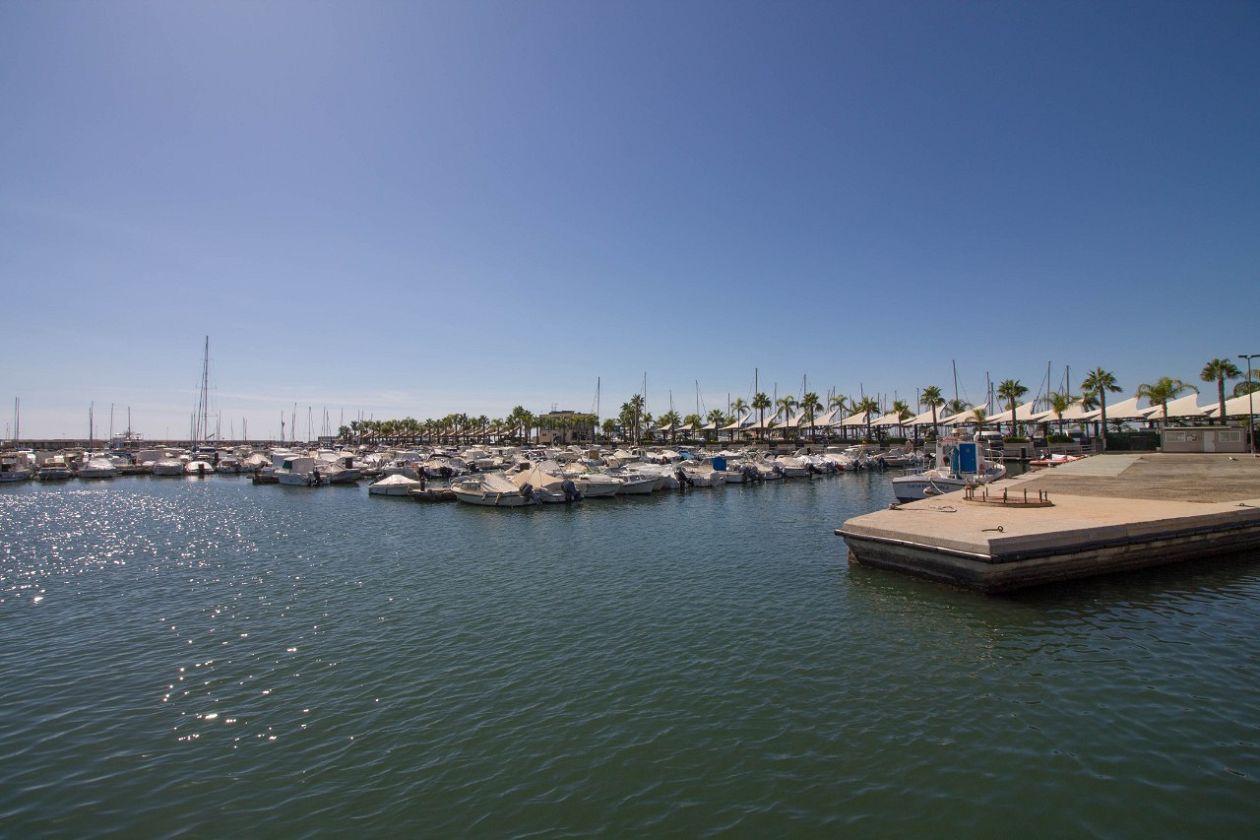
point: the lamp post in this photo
(1251, 407)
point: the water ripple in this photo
(213, 657)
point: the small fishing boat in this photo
(959, 464)
(98, 467)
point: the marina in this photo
(206, 655)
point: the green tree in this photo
(692, 422)
(785, 405)
(979, 417)
(1011, 390)
(866, 407)
(809, 407)
(1162, 390)
(1218, 370)
(761, 402)
(1097, 384)
(1059, 403)
(718, 420)
(931, 397)
(670, 419)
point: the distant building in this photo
(563, 427)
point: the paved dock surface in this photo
(1108, 513)
(1171, 477)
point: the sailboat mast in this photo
(17, 419)
(955, 366)
(91, 431)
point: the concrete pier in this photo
(1109, 513)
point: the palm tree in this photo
(1218, 370)
(786, 404)
(979, 416)
(1098, 383)
(957, 406)
(1248, 385)
(902, 409)
(867, 406)
(1059, 403)
(637, 404)
(670, 419)
(1162, 390)
(1011, 390)
(931, 397)
(837, 402)
(809, 406)
(610, 426)
(692, 422)
(717, 419)
(761, 402)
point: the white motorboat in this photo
(299, 472)
(697, 474)
(54, 469)
(168, 467)
(201, 469)
(98, 467)
(15, 468)
(546, 483)
(793, 467)
(636, 483)
(492, 489)
(393, 485)
(959, 464)
(598, 485)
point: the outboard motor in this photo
(750, 473)
(527, 490)
(571, 492)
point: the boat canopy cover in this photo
(397, 480)
(539, 477)
(497, 482)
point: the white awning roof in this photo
(889, 419)
(964, 416)
(1239, 406)
(1025, 413)
(924, 419)
(858, 419)
(1123, 410)
(1187, 406)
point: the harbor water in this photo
(213, 658)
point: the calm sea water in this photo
(207, 657)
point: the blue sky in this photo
(395, 209)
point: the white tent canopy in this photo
(924, 419)
(857, 419)
(1123, 410)
(1025, 413)
(892, 418)
(965, 416)
(1239, 406)
(1187, 406)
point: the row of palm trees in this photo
(634, 424)
(520, 425)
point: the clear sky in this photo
(398, 209)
